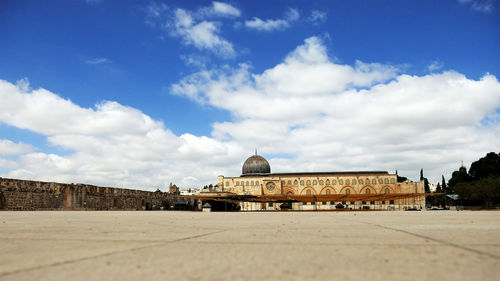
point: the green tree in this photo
(457, 177)
(399, 178)
(485, 191)
(481, 185)
(486, 166)
(402, 179)
(434, 200)
(427, 188)
(426, 182)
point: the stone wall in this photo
(36, 195)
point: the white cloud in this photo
(435, 65)
(111, 144)
(192, 27)
(23, 84)
(7, 147)
(321, 115)
(483, 6)
(224, 10)
(97, 61)
(317, 17)
(202, 35)
(291, 16)
(329, 116)
(267, 25)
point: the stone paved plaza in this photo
(439, 245)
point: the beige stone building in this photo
(345, 188)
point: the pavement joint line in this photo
(438, 240)
(22, 270)
(85, 240)
(320, 244)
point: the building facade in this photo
(257, 179)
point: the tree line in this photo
(480, 186)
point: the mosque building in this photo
(320, 190)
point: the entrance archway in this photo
(68, 198)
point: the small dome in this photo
(256, 164)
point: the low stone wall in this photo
(36, 195)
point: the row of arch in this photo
(341, 181)
(323, 182)
(346, 190)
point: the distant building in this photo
(257, 179)
(173, 189)
(432, 187)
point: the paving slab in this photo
(441, 245)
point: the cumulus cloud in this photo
(307, 113)
(220, 9)
(291, 15)
(193, 27)
(482, 6)
(7, 147)
(328, 116)
(110, 144)
(202, 35)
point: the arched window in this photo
(386, 181)
(367, 181)
(320, 182)
(347, 182)
(308, 192)
(308, 182)
(360, 181)
(247, 183)
(252, 183)
(295, 182)
(327, 192)
(392, 180)
(315, 182)
(380, 181)
(374, 181)
(327, 182)
(353, 182)
(289, 182)
(367, 191)
(387, 191)
(302, 182)
(341, 181)
(348, 191)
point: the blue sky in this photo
(168, 60)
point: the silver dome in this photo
(256, 164)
